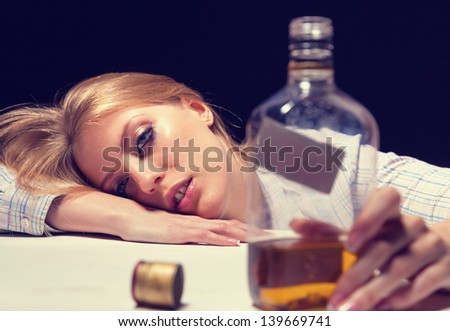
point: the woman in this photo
(80, 208)
(155, 141)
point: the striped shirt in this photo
(21, 211)
(425, 189)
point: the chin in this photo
(213, 203)
(211, 210)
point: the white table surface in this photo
(69, 272)
(78, 272)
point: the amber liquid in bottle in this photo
(296, 274)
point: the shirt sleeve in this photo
(425, 188)
(20, 210)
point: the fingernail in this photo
(348, 305)
(353, 243)
(334, 301)
(233, 242)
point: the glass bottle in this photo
(313, 149)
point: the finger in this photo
(232, 228)
(392, 238)
(238, 224)
(197, 221)
(235, 230)
(208, 237)
(229, 229)
(421, 253)
(381, 207)
(206, 223)
(427, 282)
(313, 228)
(189, 229)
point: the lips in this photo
(180, 194)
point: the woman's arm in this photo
(98, 212)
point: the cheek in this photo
(215, 196)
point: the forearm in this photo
(94, 212)
(98, 212)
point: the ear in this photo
(202, 110)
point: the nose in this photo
(147, 181)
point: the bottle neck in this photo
(311, 60)
(319, 77)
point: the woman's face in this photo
(164, 156)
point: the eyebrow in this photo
(122, 148)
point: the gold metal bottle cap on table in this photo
(157, 284)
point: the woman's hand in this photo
(400, 262)
(98, 212)
(159, 226)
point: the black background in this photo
(392, 56)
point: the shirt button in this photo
(25, 222)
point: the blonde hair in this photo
(37, 142)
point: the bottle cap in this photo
(311, 27)
(157, 284)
